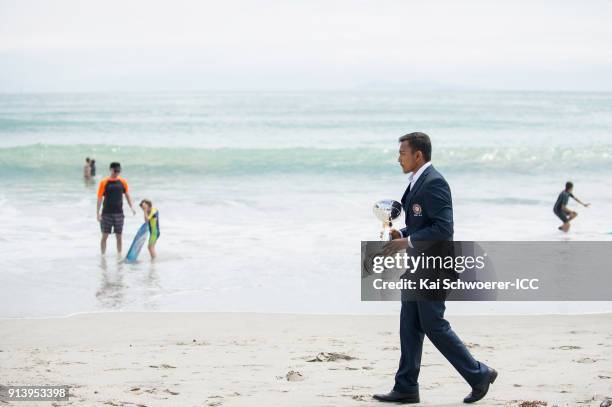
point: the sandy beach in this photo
(242, 359)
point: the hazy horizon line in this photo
(303, 90)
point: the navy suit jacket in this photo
(429, 209)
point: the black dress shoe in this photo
(479, 392)
(397, 397)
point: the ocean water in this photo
(264, 197)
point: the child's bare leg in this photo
(152, 251)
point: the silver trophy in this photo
(387, 211)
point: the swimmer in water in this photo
(87, 169)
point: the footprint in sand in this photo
(536, 403)
(330, 357)
(472, 345)
(193, 343)
(293, 376)
(114, 403)
(585, 360)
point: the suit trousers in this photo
(420, 318)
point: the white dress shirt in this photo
(413, 178)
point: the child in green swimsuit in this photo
(151, 217)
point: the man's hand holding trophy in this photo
(387, 211)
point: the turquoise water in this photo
(264, 197)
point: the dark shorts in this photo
(562, 215)
(112, 223)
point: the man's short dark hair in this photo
(568, 186)
(418, 142)
(115, 166)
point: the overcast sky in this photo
(138, 45)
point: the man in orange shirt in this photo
(110, 198)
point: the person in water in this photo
(110, 198)
(92, 164)
(151, 218)
(87, 169)
(560, 209)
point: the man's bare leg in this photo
(119, 242)
(566, 226)
(103, 242)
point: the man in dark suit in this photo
(429, 218)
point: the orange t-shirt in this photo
(112, 189)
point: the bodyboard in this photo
(137, 243)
